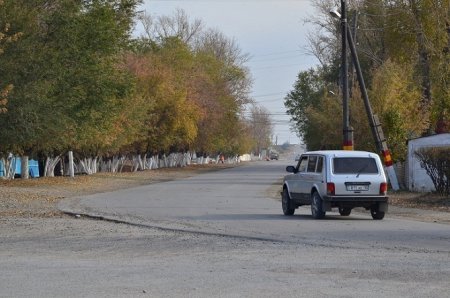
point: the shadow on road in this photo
(274, 217)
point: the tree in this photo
(5, 39)
(403, 52)
(171, 116)
(394, 96)
(307, 90)
(157, 29)
(261, 127)
(415, 33)
(69, 90)
(209, 75)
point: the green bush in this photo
(436, 161)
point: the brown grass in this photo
(427, 201)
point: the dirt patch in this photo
(427, 201)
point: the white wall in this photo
(418, 179)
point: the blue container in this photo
(33, 167)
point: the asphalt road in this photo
(220, 234)
(239, 202)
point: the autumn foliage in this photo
(403, 48)
(83, 82)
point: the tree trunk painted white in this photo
(50, 164)
(148, 162)
(172, 160)
(89, 165)
(122, 163)
(9, 167)
(118, 163)
(83, 166)
(111, 165)
(144, 163)
(71, 168)
(153, 162)
(163, 162)
(24, 171)
(186, 159)
(105, 166)
(138, 163)
(194, 157)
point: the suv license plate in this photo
(357, 187)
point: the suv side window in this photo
(302, 164)
(319, 164)
(312, 164)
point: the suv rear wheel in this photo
(376, 214)
(286, 203)
(316, 206)
(345, 211)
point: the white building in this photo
(417, 178)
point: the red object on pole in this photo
(387, 157)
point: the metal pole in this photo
(347, 130)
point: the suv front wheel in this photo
(286, 203)
(316, 206)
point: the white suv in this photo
(336, 179)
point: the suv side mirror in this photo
(290, 169)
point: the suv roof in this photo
(342, 153)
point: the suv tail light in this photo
(331, 189)
(383, 188)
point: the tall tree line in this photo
(403, 48)
(72, 77)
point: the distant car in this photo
(336, 179)
(274, 155)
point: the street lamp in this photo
(335, 13)
(347, 129)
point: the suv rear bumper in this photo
(368, 202)
(355, 198)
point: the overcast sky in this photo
(273, 33)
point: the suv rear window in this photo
(354, 165)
